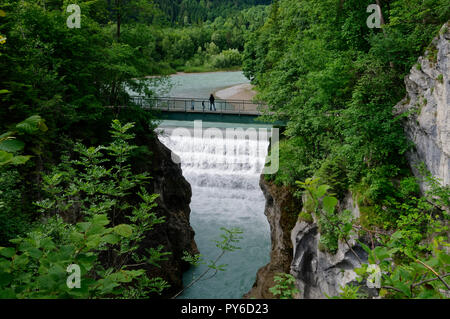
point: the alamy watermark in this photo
(374, 20)
(74, 279)
(74, 20)
(233, 146)
(374, 279)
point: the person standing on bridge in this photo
(212, 103)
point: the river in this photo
(201, 85)
(224, 174)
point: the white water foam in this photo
(224, 175)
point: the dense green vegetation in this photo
(409, 261)
(64, 199)
(336, 82)
(186, 12)
(104, 244)
(216, 45)
(66, 76)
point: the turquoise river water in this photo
(224, 174)
(201, 85)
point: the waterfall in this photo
(224, 172)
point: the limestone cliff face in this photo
(428, 105)
(176, 234)
(318, 272)
(427, 125)
(281, 211)
(295, 249)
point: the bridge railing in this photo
(170, 104)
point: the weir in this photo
(224, 173)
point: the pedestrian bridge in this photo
(191, 109)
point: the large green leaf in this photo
(123, 230)
(404, 288)
(365, 247)
(321, 190)
(101, 220)
(7, 252)
(35, 253)
(12, 145)
(329, 203)
(93, 241)
(5, 157)
(32, 125)
(111, 239)
(381, 253)
(19, 160)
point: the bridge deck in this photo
(196, 106)
(192, 109)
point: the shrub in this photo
(333, 172)
(227, 59)
(285, 286)
(14, 219)
(105, 238)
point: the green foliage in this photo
(438, 194)
(101, 241)
(333, 225)
(187, 12)
(14, 218)
(69, 75)
(226, 59)
(333, 173)
(414, 261)
(348, 292)
(404, 209)
(36, 268)
(10, 145)
(305, 216)
(290, 151)
(413, 277)
(285, 286)
(215, 45)
(335, 81)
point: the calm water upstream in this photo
(201, 85)
(225, 193)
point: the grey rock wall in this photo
(320, 273)
(281, 211)
(176, 233)
(428, 106)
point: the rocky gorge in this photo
(295, 242)
(175, 234)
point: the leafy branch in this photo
(230, 238)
